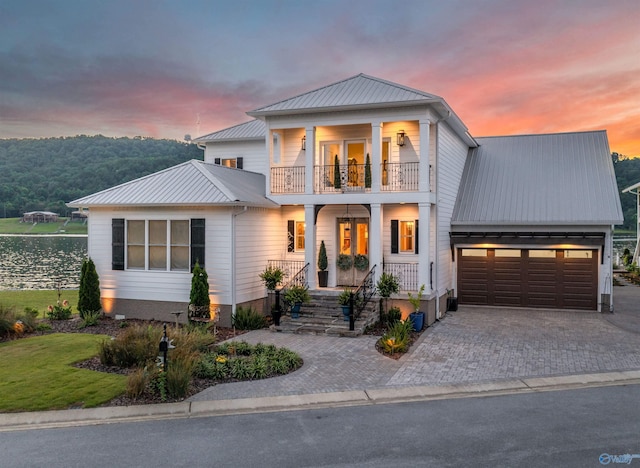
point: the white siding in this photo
(254, 154)
(451, 157)
(402, 213)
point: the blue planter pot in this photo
(417, 319)
(345, 312)
(295, 311)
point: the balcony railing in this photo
(407, 274)
(287, 179)
(400, 177)
(394, 177)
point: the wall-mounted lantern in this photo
(304, 142)
(400, 137)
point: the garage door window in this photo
(512, 253)
(578, 254)
(474, 252)
(542, 253)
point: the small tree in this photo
(89, 290)
(387, 285)
(367, 172)
(199, 297)
(323, 263)
(337, 183)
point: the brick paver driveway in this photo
(474, 344)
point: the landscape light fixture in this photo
(400, 136)
(304, 142)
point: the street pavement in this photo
(473, 351)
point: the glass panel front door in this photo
(353, 251)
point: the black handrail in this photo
(359, 299)
(299, 279)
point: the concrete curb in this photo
(187, 409)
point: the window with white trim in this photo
(407, 236)
(161, 245)
(300, 230)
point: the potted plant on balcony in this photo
(367, 172)
(416, 317)
(344, 299)
(337, 181)
(323, 263)
(297, 295)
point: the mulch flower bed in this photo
(378, 329)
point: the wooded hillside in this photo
(627, 174)
(44, 174)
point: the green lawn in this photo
(36, 374)
(14, 226)
(39, 299)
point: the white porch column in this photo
(310, 244)
(309, 159)
(375, 239)
(424, 258)
(376, 156)
(423, 166)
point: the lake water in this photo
(41, 262)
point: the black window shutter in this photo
(417, 237)
(290, 235)
(238, 163)
(197, 242)
(216, 161)
(394, 236)
(117, 244)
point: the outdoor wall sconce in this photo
(400, 136)
(304, 142)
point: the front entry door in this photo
(353, 251)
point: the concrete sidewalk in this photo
(472, 352)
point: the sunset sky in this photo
(153, 67)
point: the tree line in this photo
(45, 174)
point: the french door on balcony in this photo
(353, 251)
(351, 156)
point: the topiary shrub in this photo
(199, 301)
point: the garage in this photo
(545, 278)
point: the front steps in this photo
(323, 316)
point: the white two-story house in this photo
(391, 180)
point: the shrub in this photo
(29, 319)
(394, 315)
(179, 375)
(89, 319)
(247, 318)
(89, 289)
(136, 346)
(199, 295)
(137, 382)
(396, 339)
(60, 311)
(7, 319)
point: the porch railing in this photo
(287, 179)
(359, 299)
(349, 178)
(400, 177)
(407, 274)
(289, 267)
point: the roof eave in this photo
(312, 110)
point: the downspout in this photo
(233, 259)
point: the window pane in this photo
(180, 258)
(474, 252)
(300, 228)
(135, 256)
(578, 254)
(363, 239)
(157, 233)
(180, 233)
(157, 257)
(542, 253)
(135, 232)
(508, 253)
(406, 236)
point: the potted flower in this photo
(323, 263)
(296, 296)
(416, 317)
(344, 299)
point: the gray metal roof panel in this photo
(252, 130)
(359, 90)
(552, 179)
(190, 183)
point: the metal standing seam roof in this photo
(252, 130)
(358, 91)
(190, 183)
(551, 179)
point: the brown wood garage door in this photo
(549, 278)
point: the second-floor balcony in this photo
(394, 177)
